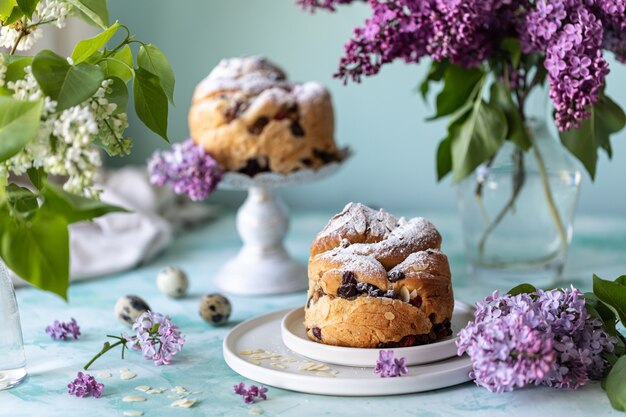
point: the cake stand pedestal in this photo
(263, 266)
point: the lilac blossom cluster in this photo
(85, 385)
(62, 331)
(570, 34)
(543, 338)
(251, 394)
(188, 168)
(157, 337)
(389, 367)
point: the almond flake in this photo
(183, 403)
(133, 399)
(389, 315)
(133, 413)
(155, 391)
(404, 294)
(104, 374)
(127, 375)
(256, 410)
(289, 360)
(178, 390)
(413, 294)
(143, 388)
(386, 300)
(279, 365)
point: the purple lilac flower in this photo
(157, 337)
(569, 34)
(188, 168)
(85, 385)
(542, 338)
(388, 367)
(252, 394)
(62, 330)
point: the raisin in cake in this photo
(251, 119)
(376, 280)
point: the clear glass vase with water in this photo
(12, 359)
(517, 212)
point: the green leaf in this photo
(87, 47)
(606, 119)
(6, 7)
(74, 208)
(37, 176)
(444, 158)
(611, 293)
(19, 124)
(15, 66)
(16, 14)
(119, 65)
(68, 84)
(610, 119)
(154, 61)
(28, 7)
(479, 138)
(459, 88)
(117, 93)
(522, 289)
(435, 73)
(94, 12)
(513, 47)
(150, 102)
(517, 133)
(22, 200)
(615, 385)
(38, 251)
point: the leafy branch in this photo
(34, 220)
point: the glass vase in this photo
(12, 359)
(517, 212)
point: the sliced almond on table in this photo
(183, 403)
(142, 388)
(133, 399)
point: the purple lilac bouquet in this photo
(516, 45)
(156, 337)
(188, 168)
(85, 385)
(252, 394)
(542, 338)
(63, 330)
(389, 367)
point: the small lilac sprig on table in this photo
(252, 394)
(156, 336)
(85, 385)
(62, 330)
(188, 168)
(541, 338)
(389, 367)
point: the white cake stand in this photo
(263, 265)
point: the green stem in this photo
(519, 177)
(554, 213)
(107, 346)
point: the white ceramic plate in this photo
(295, 338)
(280, 367)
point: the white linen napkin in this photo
(121, 241)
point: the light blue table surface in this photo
(599, 247)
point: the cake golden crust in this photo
(377, 280)
(251, 120)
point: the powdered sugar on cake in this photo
(254, 75)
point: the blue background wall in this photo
(382, 119)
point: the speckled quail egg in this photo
(215, 309)
(172, 281)
(129, 307)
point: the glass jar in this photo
(517, 212)
(12, 359)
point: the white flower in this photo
(53, 10)
(47, 11)
(3, 70)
